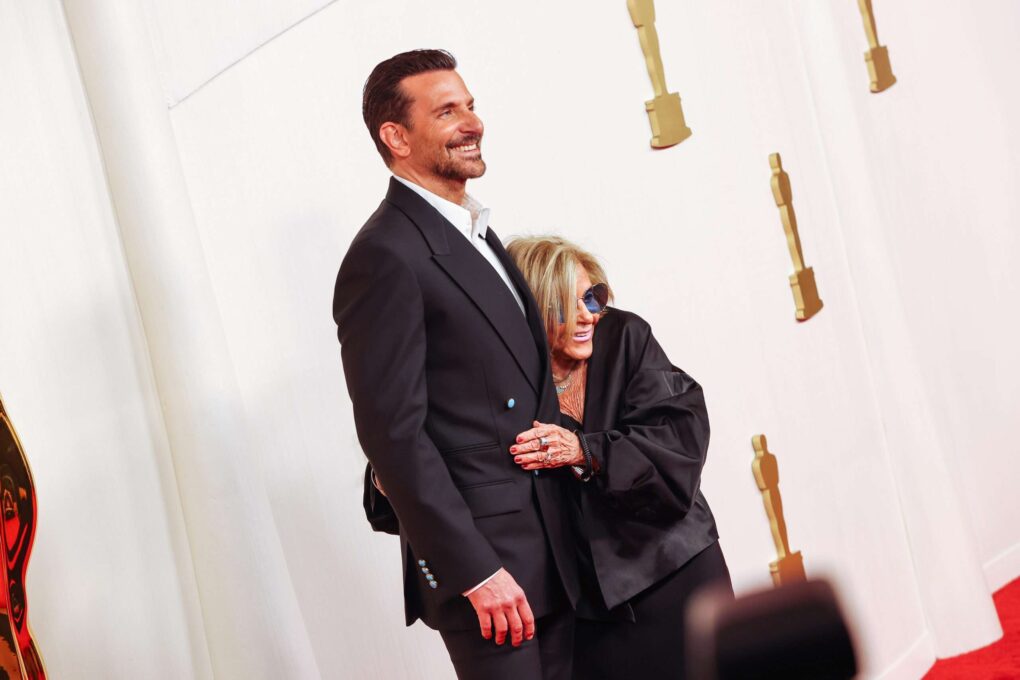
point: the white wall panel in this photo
(252, 621)
(197, 39)
(110, 582)
(946, 556)
(946, 154)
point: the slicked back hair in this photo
(384, 101)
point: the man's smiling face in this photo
(444, 135)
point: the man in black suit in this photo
(445, 358)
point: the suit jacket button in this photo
(536, 472)
(433, 585)
(430, 577)
(421, 563)
(510, 403)
(424, 570)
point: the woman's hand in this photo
(546, 446)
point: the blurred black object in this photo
(790, 632)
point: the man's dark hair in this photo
(383, 100)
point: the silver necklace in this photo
(562, 385)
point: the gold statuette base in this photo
(805, 293)
(879, 68)
(789, 569)
(667, 118)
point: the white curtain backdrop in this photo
(233, 154)
(253, 622)
(110, 586)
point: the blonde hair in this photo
(549, 265)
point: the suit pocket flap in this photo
(492, 498)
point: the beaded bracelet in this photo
(585, 473)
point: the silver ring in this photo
(548, 457)
(543, 442)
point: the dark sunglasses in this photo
(595, 300)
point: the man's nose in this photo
(584, 314)
(472, 124)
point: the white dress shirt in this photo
(472, 220)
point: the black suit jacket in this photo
(646, 424)
(443, 371)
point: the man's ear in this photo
(394, 136)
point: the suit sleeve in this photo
(650, 462)
(380, 316)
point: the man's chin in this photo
(478, 169)
(461, 171)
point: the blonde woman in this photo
(634, 431)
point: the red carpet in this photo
(999, 660)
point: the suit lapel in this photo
(535, 320)
(480, 282)
(475, 277)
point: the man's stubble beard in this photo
(457, 169)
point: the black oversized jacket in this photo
(646, 424)
(443, 371)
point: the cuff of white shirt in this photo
(468, 592)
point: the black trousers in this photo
(652, 646)
(547, 656)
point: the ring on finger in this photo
(548, 457)
(543, 442)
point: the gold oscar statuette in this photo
(664, 111)
(19, 657)
(789, 566)
(802, 280)
(877, 56)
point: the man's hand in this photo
(501, 603)
(377, 484)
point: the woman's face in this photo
(567, 349)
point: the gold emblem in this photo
(788, 566)
(664, 111)
(802, 280)
(877, 56)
